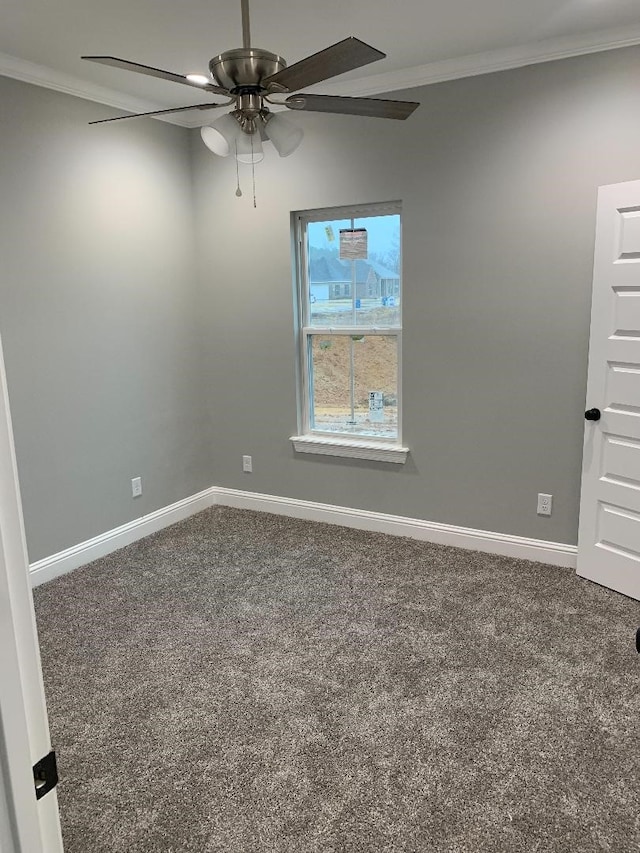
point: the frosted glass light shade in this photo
(221, 135)
(249, 147)
(285, 136)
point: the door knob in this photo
(592, 415)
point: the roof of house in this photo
(327, 267)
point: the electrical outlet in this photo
(136, 487)
(247, 464)
(545, 503)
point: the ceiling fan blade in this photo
(154, 72)
(344, 56)
(163, 112)
(374, 107)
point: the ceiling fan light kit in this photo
(249, 77)
(234, 133)
(220, 137)
(249, 147)
(284, 135)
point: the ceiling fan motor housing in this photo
(245, 68)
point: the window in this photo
(348, 267)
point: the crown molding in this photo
(376, 84)
(40, 75)
(485, 63)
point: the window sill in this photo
(354, 449)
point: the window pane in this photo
(363, 291)
(379, 280)
(354, 384)
(331, 303)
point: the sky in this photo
(383, 232)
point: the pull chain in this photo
(253, 170)
(238, 190)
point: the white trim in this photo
(475, 64)
(317, 440)
(472, 65)
(348, 331)
(85, 552)
(540, 550)
(354, 449)
(40, 75)
(24, 728)
(356, 211)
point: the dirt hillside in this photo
(373, 357)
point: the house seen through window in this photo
(350, 303)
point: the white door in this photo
(609, 535)
(27, 824)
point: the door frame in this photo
(33, 825)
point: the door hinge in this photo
(45, 775)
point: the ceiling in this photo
(42, 41)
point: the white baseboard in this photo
(554, 553)
(85, 552)
(539, 550)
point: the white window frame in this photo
(308, 440)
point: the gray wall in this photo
(125, 357)
(97, 315)
(498, 177)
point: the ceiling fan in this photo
(249, 77)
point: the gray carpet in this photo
(243, 682)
